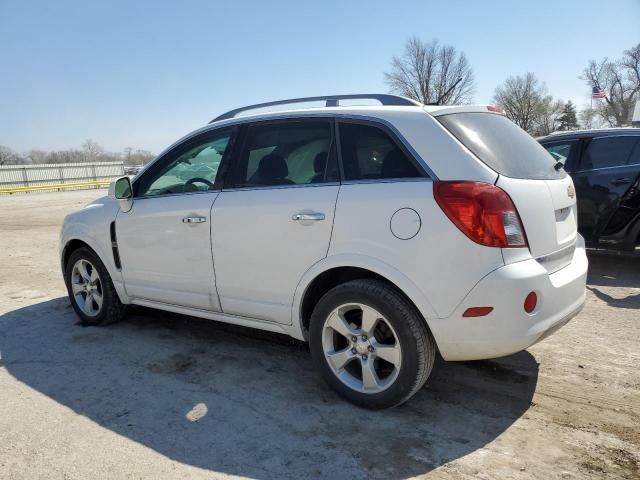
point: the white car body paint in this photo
(261, 253)
(263, 262)
(165, 259)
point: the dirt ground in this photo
(164, 396)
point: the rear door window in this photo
(287, 153)
(502, 145)
(607, 152)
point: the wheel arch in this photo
(338, 269)
(70, 247)
(73, 243)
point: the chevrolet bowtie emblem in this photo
(571, 191)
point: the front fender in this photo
(359, 261)
(91, 225)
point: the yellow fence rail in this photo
(57, 186)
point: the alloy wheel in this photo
(87, 287)
(361, 348)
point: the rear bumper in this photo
(508, 328)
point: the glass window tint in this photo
(560, 151)
(634, 159)
(287, 153)
(368, 153)
(608, 152)
(192, 171)
(502, 145)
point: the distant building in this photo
(635, 120)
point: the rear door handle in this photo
(308, 217)
(194, 219)
(621, 181)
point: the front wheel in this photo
(370, 344)
(92, 294)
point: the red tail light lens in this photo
(477, 311)
(495, 108)
(483, 212)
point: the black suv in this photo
(605, 167)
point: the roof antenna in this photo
(449, 90)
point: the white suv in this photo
(379, 234)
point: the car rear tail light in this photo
(477, 311)
(530, 302)
(495, 108)
(483, 212)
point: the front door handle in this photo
(308, 217)
(621, 181)
(194, 219)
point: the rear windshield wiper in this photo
(558, 166)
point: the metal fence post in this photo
(25, 177)
(61, 171)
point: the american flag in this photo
(597, 92)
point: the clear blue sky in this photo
(143, 73)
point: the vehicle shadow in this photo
(236, 401)
(630, 301)
(606, 271)
(612, 271)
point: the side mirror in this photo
(122, 188)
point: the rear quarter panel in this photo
(439, 260)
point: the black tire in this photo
(417, 344)
(112, 310)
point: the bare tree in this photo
(620, 80)
(547, 115)
(136, 157)
(588, 118)
(37, 156)
(521, 97)
(428, 71)
(8, 156)
(92, 150)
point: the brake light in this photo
(483, 212)
(495, 108)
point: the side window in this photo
(634, 159)
(369, 153)
(193, 170)
(607, 152)
(287, 153)
(560, 151)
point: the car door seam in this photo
(213, 257)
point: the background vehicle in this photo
(132, 170)
(379, 234)
(605, 167)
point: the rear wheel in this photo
(91, 291)
(370, 344)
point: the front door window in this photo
(193, 170)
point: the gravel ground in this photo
(164, 396)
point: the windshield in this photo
(502, 145)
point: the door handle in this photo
(194, 219)
(621, 181)
(308, 217)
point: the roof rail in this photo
(331, 101)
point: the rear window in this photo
(502, 145)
